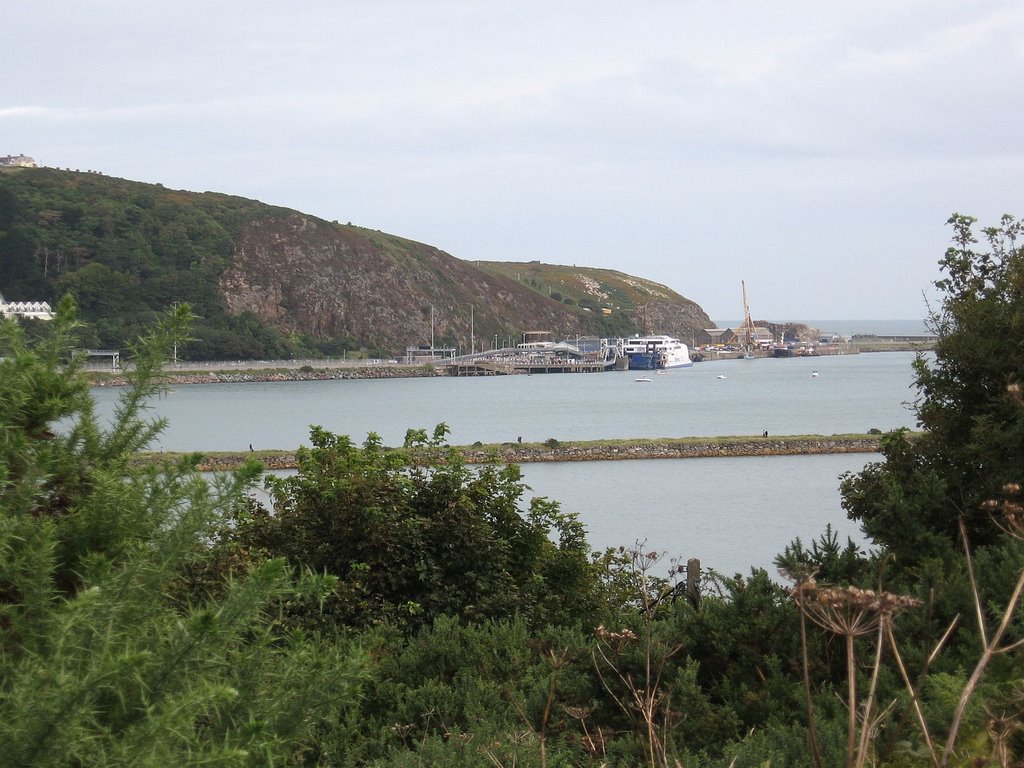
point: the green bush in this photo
(104, 663)
(417, 534)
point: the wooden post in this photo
(693, 581)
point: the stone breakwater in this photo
(249, 376)
(755, 446)
(681, 449)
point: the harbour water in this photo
(851, 393)
(731, 513)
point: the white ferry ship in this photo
(655, 352)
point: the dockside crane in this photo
(748, 330)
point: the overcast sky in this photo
(813, 149)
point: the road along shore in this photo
(604, 450)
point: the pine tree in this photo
(103, 660)
(973, 426)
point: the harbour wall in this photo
(515, 453)
(227, 372)
(682, 449)
(176, 378)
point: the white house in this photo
(17, 161)
(38, 310)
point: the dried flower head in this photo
(850, 611)
(1008, 513)
(616, 640)
(580, 713)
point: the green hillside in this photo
(587, 287)
(127, 250)
(624, 303)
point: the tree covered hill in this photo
(269, 282)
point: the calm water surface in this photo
(731, 513)
(852, 393)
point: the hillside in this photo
(269, 282)
(647, 306)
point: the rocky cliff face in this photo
(682, 320)
(788, 332)
(330, 280)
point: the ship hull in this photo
(645, 362)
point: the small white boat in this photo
(814, 374)
(643, 378)
(720, 376)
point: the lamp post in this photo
(175, 342)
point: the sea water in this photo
(848, 394)
(731, 513)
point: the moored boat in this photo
(648, 353)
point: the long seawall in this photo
(516, 453)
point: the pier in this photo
(511, 367)
(537, 357)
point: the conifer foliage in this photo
(973, 437)
(99, 663)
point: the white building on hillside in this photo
(17, 161)
(37, 310)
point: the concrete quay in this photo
(233, 372)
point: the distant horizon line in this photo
(882, 326)
(848, 320)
